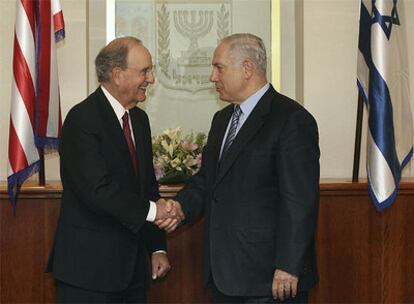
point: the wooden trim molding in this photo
(328, 187)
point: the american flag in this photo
(35, 118)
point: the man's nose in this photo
(150, 77)
(213, 77)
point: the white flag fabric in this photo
(383, 82)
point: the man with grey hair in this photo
(104, 230)
(258, 185)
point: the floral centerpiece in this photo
(177, 157)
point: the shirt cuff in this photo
(152, 212)
(160, 251)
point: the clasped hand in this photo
(169, 214)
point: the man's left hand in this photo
(160, 265)
(284, 285)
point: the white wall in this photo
(329, 32)
(330, 92)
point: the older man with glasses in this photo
(110, 194)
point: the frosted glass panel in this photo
(181, 36)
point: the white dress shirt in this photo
(119, 112)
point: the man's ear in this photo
(117, 75)
(248, 68)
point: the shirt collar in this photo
(118, 108)
(248, 105)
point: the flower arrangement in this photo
(177, 157)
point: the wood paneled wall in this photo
(363, 255)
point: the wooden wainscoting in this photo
(25, 242)
(364, 256)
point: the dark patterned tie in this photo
(233, 129)
(128, 137)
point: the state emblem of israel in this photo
(184, 62)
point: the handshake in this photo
(169, 214)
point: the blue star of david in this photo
(385, 21)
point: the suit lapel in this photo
(110, 120)
(113, 128)
(218, 135)
(250, 127)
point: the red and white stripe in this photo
(22, 150)
(35, 118)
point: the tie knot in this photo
(125, 118)
(237, 110)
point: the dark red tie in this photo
(128, 137)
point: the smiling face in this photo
(133, 81)
(228, 75)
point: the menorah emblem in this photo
(187, 66)
(187, 25)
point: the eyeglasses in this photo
(145, 72)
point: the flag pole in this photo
(42, 175)
(358, 132)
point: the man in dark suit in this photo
(258, 186)
(104, 230)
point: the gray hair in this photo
(114, 55)
(244, 46)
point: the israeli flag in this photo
(383, 81)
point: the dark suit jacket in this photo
(102, 233)
(261, 200)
